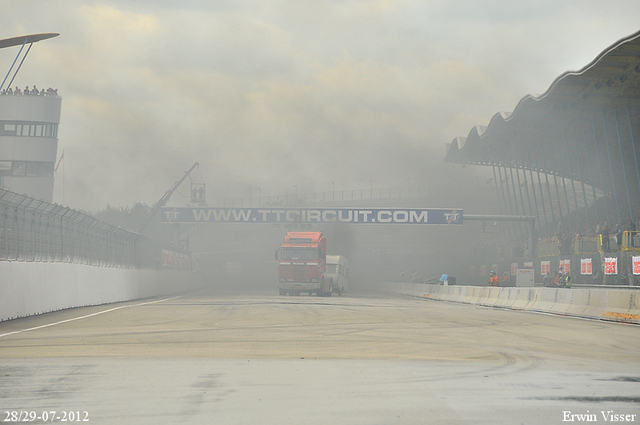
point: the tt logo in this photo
(452, 217)
(172, 215)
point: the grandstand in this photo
(569, 157)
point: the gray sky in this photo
(273, 94)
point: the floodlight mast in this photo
(21, 41)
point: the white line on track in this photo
(88, 315)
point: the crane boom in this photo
(165, 198)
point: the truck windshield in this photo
(332, 268)
(302, 254)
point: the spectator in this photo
(619, 236)
(557, 281)
(604, 233)
(505, 280)
(493, 279)
(567, 281)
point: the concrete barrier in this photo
(564, 298)
(622, 305)
(489, 296)
(461, 294)
(448, 293)
(580, 304)
(521, 299)
(545, 300)
(605, 304)
(477, 294)
(506, 298)
(29, 288)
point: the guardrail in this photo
(35, 230)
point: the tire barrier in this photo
(619, 305)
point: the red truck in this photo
(302, 264)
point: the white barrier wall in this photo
(28, 288)
(621, 305)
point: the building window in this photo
(5, 168)
(18, 168)
(39, 169)
(25, 129)
(26, 168)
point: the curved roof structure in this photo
(26, 39)
(585, 127)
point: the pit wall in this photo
(620, 305)
(29, 288)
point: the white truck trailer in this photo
(338, 270)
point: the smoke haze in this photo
(269, 96)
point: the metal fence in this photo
(352, 195)
(35, 230)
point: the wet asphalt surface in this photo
(363, 358)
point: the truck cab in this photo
(302, 264)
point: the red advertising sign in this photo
(566, 266)
(585, 266)
(636, 264)
(545, 267)
(611, 266)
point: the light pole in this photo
(371, 184)
(259, 195)
(333, 191)
(296, 186)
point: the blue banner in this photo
(311, 215)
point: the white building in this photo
(28, 133)
(29, 143)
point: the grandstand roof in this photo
(584, 117)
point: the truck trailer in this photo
(302, 265)
(338, 271)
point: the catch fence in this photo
(35, 230)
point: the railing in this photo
(548, 249)
(593, 244)
(586, 245)
(35, 230)
(630, 242)
(349, 195)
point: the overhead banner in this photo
(311, 215)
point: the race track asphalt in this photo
(364, 358)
